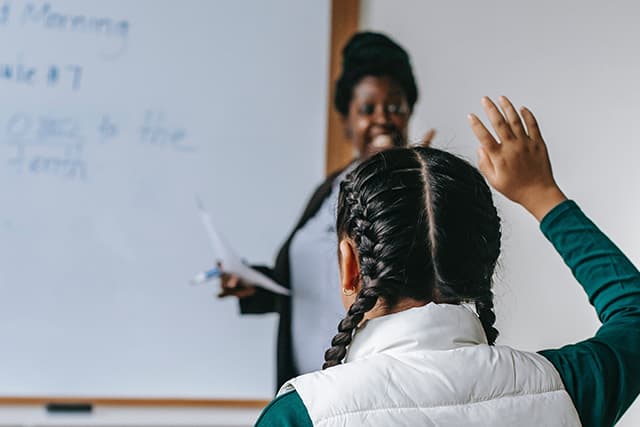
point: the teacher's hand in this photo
(233, 285)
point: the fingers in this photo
(532, 125)
(508, 126)
(229, 282)
(238, 289)
(428, 137)
(513, 117)
(502, 128)
(229, 285)
(233, 281)
(224, 293)
(234, 285)
(487, 141)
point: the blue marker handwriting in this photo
(156, 132)
(55, 144)
(67, 76)
(110, 33)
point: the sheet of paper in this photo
(231, 262)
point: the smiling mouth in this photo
(385, 141)
(382, 141)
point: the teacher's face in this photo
(378, 116)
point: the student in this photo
(419, 239)
(374, 95)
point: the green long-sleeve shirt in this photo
(601, 374)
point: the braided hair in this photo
(424, 227)
(373, 54)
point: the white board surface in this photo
(114, 116)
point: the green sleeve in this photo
(601, 374)
(287, 410)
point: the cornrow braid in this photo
(363, 211)
(368, 295)
(465, 243)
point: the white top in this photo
(315, 284)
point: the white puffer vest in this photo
(431, 366)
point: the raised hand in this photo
(517, 164)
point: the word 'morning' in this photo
(45, 16)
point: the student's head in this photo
(419, 225)
(375, 93)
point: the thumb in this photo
(485, 165)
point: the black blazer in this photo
(264, 301)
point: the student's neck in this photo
(381, 309)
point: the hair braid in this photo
(368, 295)
(492, 236)
(465, 243)
(363, 216)
(365, 301)
(484, 308)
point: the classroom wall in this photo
(575, 64)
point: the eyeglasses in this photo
(399, 109)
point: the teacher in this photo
(375, 95)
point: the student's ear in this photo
(349, 272)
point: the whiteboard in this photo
(114, 117)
